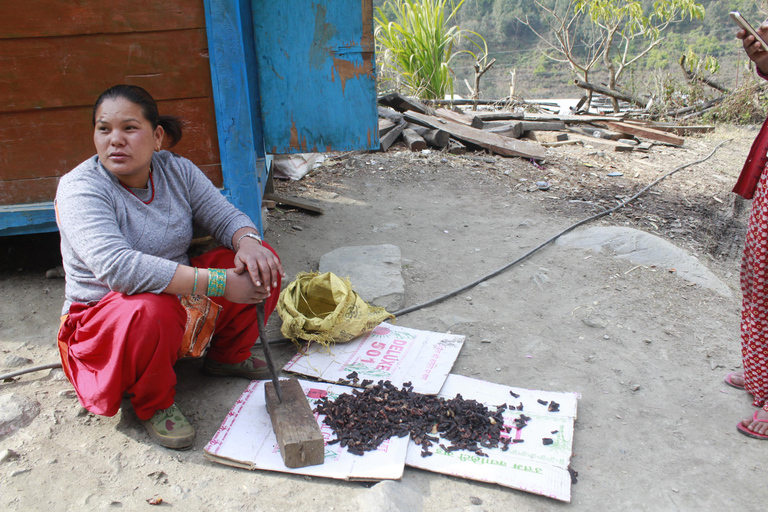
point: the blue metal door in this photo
(288, 76)
(316, 75)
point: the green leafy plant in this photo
(416, 44)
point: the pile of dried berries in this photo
(364, 419)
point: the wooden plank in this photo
(570, 119)
(388, 113)
(456, 117)
(646, 133)
(456, 148)
(298, 434)
(68, 136)
(48, 18)
(495, 143)
(294, 201)
(434, 137)
(24, 191)
(513, 130)
(73, 71)
(402, 103)
(538, 126)
(500, 116)
(385, 125)
(26, 219)
(387, 140)
(560, 143)
(607, 145)
(600, 133)
(413, 140)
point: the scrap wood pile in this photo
(516, 133)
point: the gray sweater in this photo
(112, 241)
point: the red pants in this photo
(129, 343)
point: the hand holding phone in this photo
(743, 24)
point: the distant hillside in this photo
(515, 47)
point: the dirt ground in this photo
(646, 350)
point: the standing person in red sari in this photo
(753, 184)
(126, 217)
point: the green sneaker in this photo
(171, 429)
(252, 368)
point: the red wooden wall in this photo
(57, 56)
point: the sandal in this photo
(170, 428)
(744, 430)
(729, 380)
(252, 368)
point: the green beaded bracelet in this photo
(217, 281)
(194, 286)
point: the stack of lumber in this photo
(420, 126)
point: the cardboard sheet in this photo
(389, 352)
(246, 439)
(530, 466)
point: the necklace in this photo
(151, 185)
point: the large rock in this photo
(646, 249)
(16, 411)
(373, 270)
(391, 496)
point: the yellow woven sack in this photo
(323, 308)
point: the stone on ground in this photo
(645, 249)
(16, 411)
(375, 272)
(391, 496)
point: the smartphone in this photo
(741, 22)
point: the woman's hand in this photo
(242, 290)
(264, 268)
(754, 49)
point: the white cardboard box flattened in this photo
(246, 439)
(530, 466)
(389, 352)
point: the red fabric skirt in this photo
(129, 343)
(754, 287)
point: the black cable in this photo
(496, 272)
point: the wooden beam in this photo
(403, 103)
(301, 204)
(413, 140)
(387, 140)
(500, 116)
(604, 144)
(495, 143)
(456, 148)
(646, 133)
(296, 429)
(554, 126)
(385, 125)
(434, 137)
(513, 130)
(392, 115)
(456, 117)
